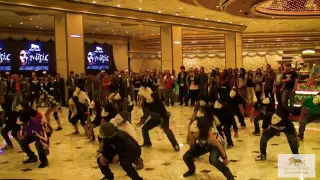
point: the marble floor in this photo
(73, 157)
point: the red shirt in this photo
(104, 85)
(168, 83)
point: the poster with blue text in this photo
(5, 57)
(98, 57)
(33, 57)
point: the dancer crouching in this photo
(78, 104)
(222, 111)
(310, 108)
(118, 146)
(279, 123)
(154, 108)
(267, 110)
(34, 130)
(54, 107)
(207, 140)
(235, 102)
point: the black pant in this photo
(126, 164)
(14, 128)
(183, 95)
(194, 94)
(34, 98)
(270, 132)
(238, 113)
(269, 93)
(155, 121)
(197, 150)
(227, 133)
(258, 95)
(25, 147)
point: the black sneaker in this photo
(146, 145)
(59, 129)
(31, 160)
(75, 133)
(176, 148)
(43, 164)
(189, 173)
(301, 138)
(257, 133)
(261, 157)
(139, 164)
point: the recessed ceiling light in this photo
(127, 32)
(140, 1)
(112, 30)
(154, 30)
(152, 34)
(107, 22)
(241, 23)
(30, 19)
(192, 16)
(118, 5)
(9, 25)
(140, 9)
(206, 18)
(94, 2)
(114, 33)
(272, 17)
(21, 22)
(37, 26)
(205, 12)
(140, 32)
(97, 29)
(240, 10)
(180, 8)
(217, 6)
(41, 28)
(177, 14)
(92, 32)
(159, 11)
(219, 20)
(230, 22)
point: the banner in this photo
(5, 57)
(99, 57)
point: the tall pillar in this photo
(171, 47)
(69, 44)
(233, 48)
(75, 43)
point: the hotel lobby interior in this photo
(164, 35)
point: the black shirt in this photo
(123, 144)
(291, 76)
(249, 82)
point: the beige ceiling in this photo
(176, 7)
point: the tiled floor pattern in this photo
(74, 158)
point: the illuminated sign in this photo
(5, 58)
(98, 59)
(33, 58)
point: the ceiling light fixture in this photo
(219, 20)
(94, 3)
(240, 10)
(206, 18)
(21, 22)
(30, 19)
(192, 16)
(180, 8)
(159, 11)
(37, 26)
(308, 51)
(177, 42)
(230, 22)
(75, 35)
(217, 6)
(140, 9)
(118, 5)
(107, 22)
(41, 28)
(177, 14)
(9, 25)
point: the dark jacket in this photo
(182, 80)
(123, 143)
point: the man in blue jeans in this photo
(310, 108)
(289, 79)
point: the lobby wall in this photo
(251, 60)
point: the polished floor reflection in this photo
(73, 157)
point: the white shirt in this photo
(146, 93)
(124, 126)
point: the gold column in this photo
(61, 44)
(233, 50)
(171, 47)
(75, 43)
